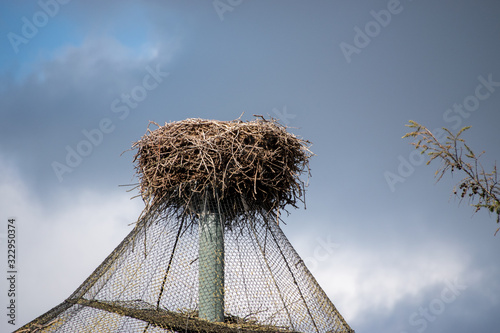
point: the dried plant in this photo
(257, 161)
(481, 187)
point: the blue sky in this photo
(391, 251)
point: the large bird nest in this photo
(257, 161)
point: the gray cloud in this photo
(395, 249)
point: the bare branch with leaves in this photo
(482, 188)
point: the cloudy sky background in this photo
(385, 252)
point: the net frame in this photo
(149, 283)
(156, 280)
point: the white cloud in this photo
(58, 247)
(97, 56)
(360, 280)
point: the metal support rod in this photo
(211, 265)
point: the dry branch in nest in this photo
(257, 161)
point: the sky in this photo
(391, 247)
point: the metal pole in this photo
(211, 264)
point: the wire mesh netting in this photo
(154, 279)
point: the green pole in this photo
(211, 266)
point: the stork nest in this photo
(257, 161)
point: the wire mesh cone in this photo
(150, 283)
(206, 254)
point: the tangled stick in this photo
(257, 161)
